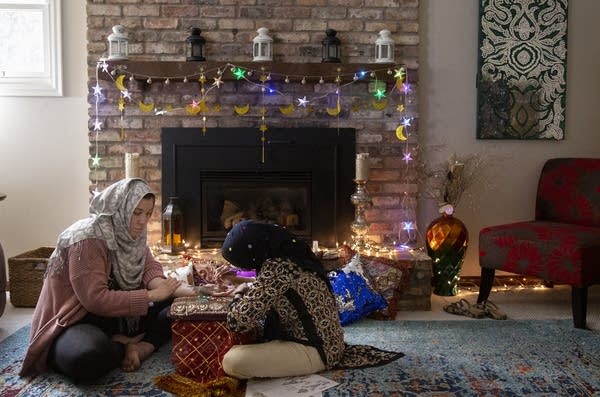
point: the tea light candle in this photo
(132, 165)
(362, 166)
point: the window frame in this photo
(49, 82)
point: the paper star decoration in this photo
(96, 160)
(399, 73)
(239, 73)
(407, 157)
(97, 125)
(194, 104)
(218, 81)
(379, 93)
(406, 121)
(97, 90)
(104, 66)
(302, 102)
(126, 94)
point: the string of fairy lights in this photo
(329, 96)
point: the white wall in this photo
(44, 143)
(447, 72)
(44, 151)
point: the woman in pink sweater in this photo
(104, 299)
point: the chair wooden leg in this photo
(579, 306)
(485, 284)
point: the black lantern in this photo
(195, 45)
(172, 228)
(331, 47)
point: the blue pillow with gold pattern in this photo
(355, 299)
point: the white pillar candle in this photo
(132, 165)
(362, 166)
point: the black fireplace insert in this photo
(300, 178)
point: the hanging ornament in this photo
(400, 133)
(193, 108)
(302, 101)
(400, 74)
(334, 111)
(379, 93)
(218, 81)
(241, 110)
(379, 104)
(146, 107)
(238, 73)
(119, 82)
(287, 109)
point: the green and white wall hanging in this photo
(521, 82)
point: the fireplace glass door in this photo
(284, 200)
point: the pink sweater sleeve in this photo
(89, 270)
(153, 269)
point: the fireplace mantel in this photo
(312, 72)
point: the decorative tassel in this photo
(185, 387)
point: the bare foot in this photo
(135, 353)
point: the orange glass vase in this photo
(447, 240)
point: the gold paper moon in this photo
(400, 133)
(333, 111)
(119, 82)
(379, 105)
(146, 107)
(241, 110)
(192, 110)
(287, 109)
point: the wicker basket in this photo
(26, 275)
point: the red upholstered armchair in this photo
(562, 244)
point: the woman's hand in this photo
(185, 290)
(164, 289)
(242, 289)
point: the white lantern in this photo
(117, 44)
(262, 49)
(384, 48)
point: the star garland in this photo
(407, 233)
(119, 73)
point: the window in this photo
(30, 48)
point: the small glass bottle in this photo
(172, 227)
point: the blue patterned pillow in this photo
(354, 297)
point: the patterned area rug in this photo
(443, 358)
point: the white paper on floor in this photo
(296, 386)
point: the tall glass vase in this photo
(447, 240)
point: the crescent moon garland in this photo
(386, 97)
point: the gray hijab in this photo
(110, 215)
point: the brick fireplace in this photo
(157, 30)
(300, 178)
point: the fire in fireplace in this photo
(300, 178)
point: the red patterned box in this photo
(200, 336)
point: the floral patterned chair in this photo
(562, 243)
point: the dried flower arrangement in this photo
(447, 182)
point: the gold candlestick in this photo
(360, 227)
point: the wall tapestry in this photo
(521, 82)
